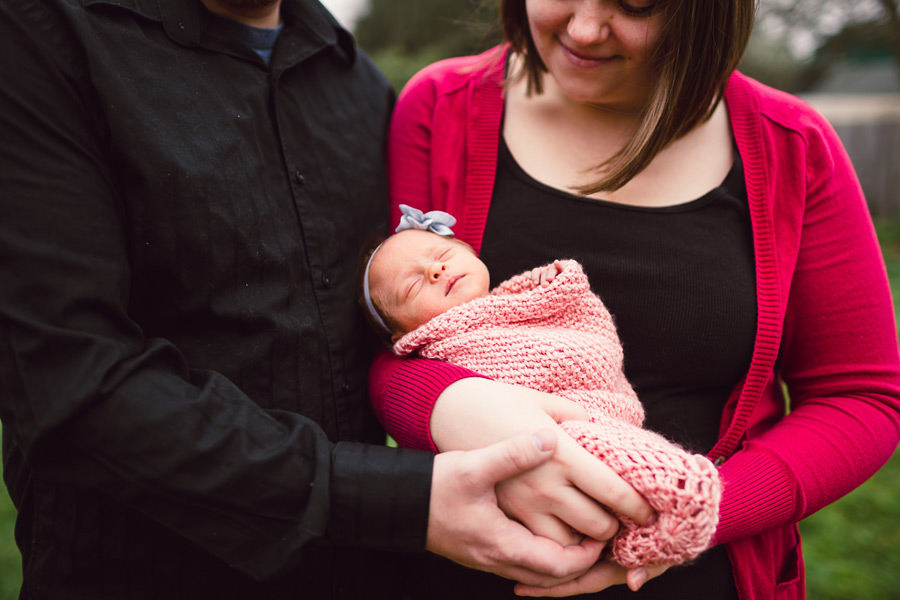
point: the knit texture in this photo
(561, 339)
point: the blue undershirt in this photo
(259, 39)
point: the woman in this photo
(726, 231)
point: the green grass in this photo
(10, 561)
(852, 548)
(889, 236)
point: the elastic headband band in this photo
(369, 305)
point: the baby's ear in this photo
(396, 337)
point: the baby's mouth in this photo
(452, 282)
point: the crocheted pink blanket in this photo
(561, 339)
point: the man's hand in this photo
(466, 525)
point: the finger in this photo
(599, 577)
(514, 455)
(542, 563)
(548, 526)
(536, 276)
(551, 272)
(600, 482)
(637, 577)
(554, 508)
(584, 515)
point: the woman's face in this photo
(597, 51)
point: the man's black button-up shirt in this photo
(180, 226)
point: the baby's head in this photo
(416, 274)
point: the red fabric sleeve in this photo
(839, 351)
(403, 393)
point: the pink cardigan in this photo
(825, 317)
(561, 339)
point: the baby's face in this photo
(417, 275)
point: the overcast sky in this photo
(346, 11)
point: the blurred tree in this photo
(458, 26)
(855, 44)
(833, 29)
(770, 60)
(405, 35)
(893, 20)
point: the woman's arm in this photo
(404, 391)
(413, 397)
(839, 359)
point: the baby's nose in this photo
(435, 271)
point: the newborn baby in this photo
(546, 330)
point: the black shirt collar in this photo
(186, 21)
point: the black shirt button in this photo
(326, 281)
(300, 177)
(346, 386)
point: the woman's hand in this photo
(466, 525)
(601, 576)
(564, 499)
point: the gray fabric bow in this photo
(435, 221)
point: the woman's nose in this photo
(435, 271)
(589, 24)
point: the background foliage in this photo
(795, 43)
(402, 36)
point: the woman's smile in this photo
(583, 59)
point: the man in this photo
(183, 200)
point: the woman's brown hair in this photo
(701, 44)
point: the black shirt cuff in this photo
(380, 497)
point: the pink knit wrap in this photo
(561, 339)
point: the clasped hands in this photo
(529, 507)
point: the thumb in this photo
(517, 454)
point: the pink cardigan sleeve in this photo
(838, 354)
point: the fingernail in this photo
(543, 440)
(639, 578)
(653, 519)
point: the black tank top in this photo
(678, 280)
(680, 284)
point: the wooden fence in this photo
(869, 127)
